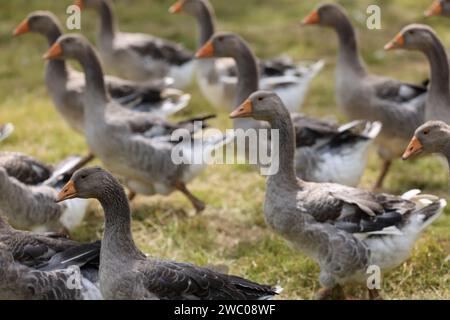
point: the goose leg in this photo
(374, 294)
(383, 173)
(335, 293)
(197, 203)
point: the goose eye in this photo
(260, 99)
(426, 131)
(84, 176)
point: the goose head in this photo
(43, 22)
(70, 46)
(431, 137)
(328, 15)
(261, 105)
(82, 4)
(438, 8)
(87, 183)
(221, 45)
(413, 37)
(191, 7)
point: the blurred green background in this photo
(231, 230)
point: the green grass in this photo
(231, 231)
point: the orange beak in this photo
(54, 52)
(177, 7)
(206, 51)
(68, 192)
(312, 18)
(397, 42)
(434, 10)
(80, 4)
(243, 111)
(414, 147)
(22, 28)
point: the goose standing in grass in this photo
(27, 193)
(66, 85)
(422, 38)
(5, 130)
(217, 78)
(344, 229)
(126, 273)
(399, 106)
(123, 141)
(55, 281)
(138, 56)
(325, 152)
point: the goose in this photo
(325, 152)
(27, 193)
(5, 130)
(66, 85)
(345, 230)
(143, 158)
(217, 78)
(138, 56)
(424, 39)
(126, 273)
(57, 282)
(399, 106)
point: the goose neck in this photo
(95, 83)
(286, 172)
(348, 47)
(248, 75)
(107, 27)
(439, 75)
(117, 238)
(205, 20)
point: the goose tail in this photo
(75, 256)
(429, 208)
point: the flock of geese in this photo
(312, 201)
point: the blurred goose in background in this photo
(67, 85)
(439, 8)
(344, 229)
(325, 152)
(138, 56)
(126, 273)
(55, 281)
(5, 130)
(139, 152)
(399, 106)
(217, 78)
(27, 193)
(422, 38)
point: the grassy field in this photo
(231, 231)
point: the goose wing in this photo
(173, 280)
(148, 46)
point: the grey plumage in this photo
(66, 85)
(399, 106)
(137, 148)
(126, 273)
(344, 229)
(138, 56)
